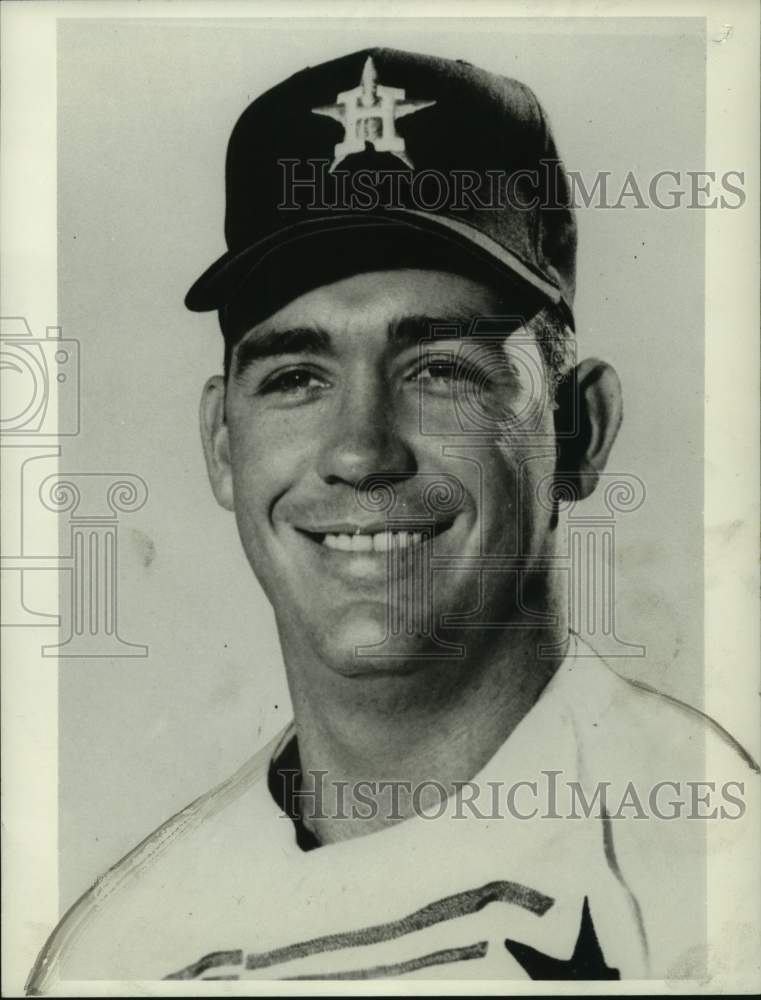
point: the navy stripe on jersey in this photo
(463, 954)
(449, 908)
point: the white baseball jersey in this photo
(223, 890)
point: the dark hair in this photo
(557, 342)
(229, 345)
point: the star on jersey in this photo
(587, 961)
(368, 114)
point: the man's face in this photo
(345, 414)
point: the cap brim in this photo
(289, 263)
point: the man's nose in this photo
(365, 436)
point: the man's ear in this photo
(216, 441)
(588, 418)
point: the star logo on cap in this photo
(368, 114)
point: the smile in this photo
(381, 540)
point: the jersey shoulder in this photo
(87, 935)
(628, 721)
(683, 815)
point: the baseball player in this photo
(466, 790)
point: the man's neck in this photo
(381, 747)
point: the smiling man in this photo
(322, 407)
(466, 790)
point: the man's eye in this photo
(294, 382)
(442, 374)
(436, 371)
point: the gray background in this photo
(145, 110)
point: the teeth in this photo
(381, 541)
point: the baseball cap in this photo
(384, 158)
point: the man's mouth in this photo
(370, 539)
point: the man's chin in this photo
(359, 642)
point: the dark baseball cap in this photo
(385, 159)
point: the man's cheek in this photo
(516, 481)
(263, 453)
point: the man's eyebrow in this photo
(488, 335)
(408, 331)
(274, 343)
(405, 332)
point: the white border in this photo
(28, 179)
